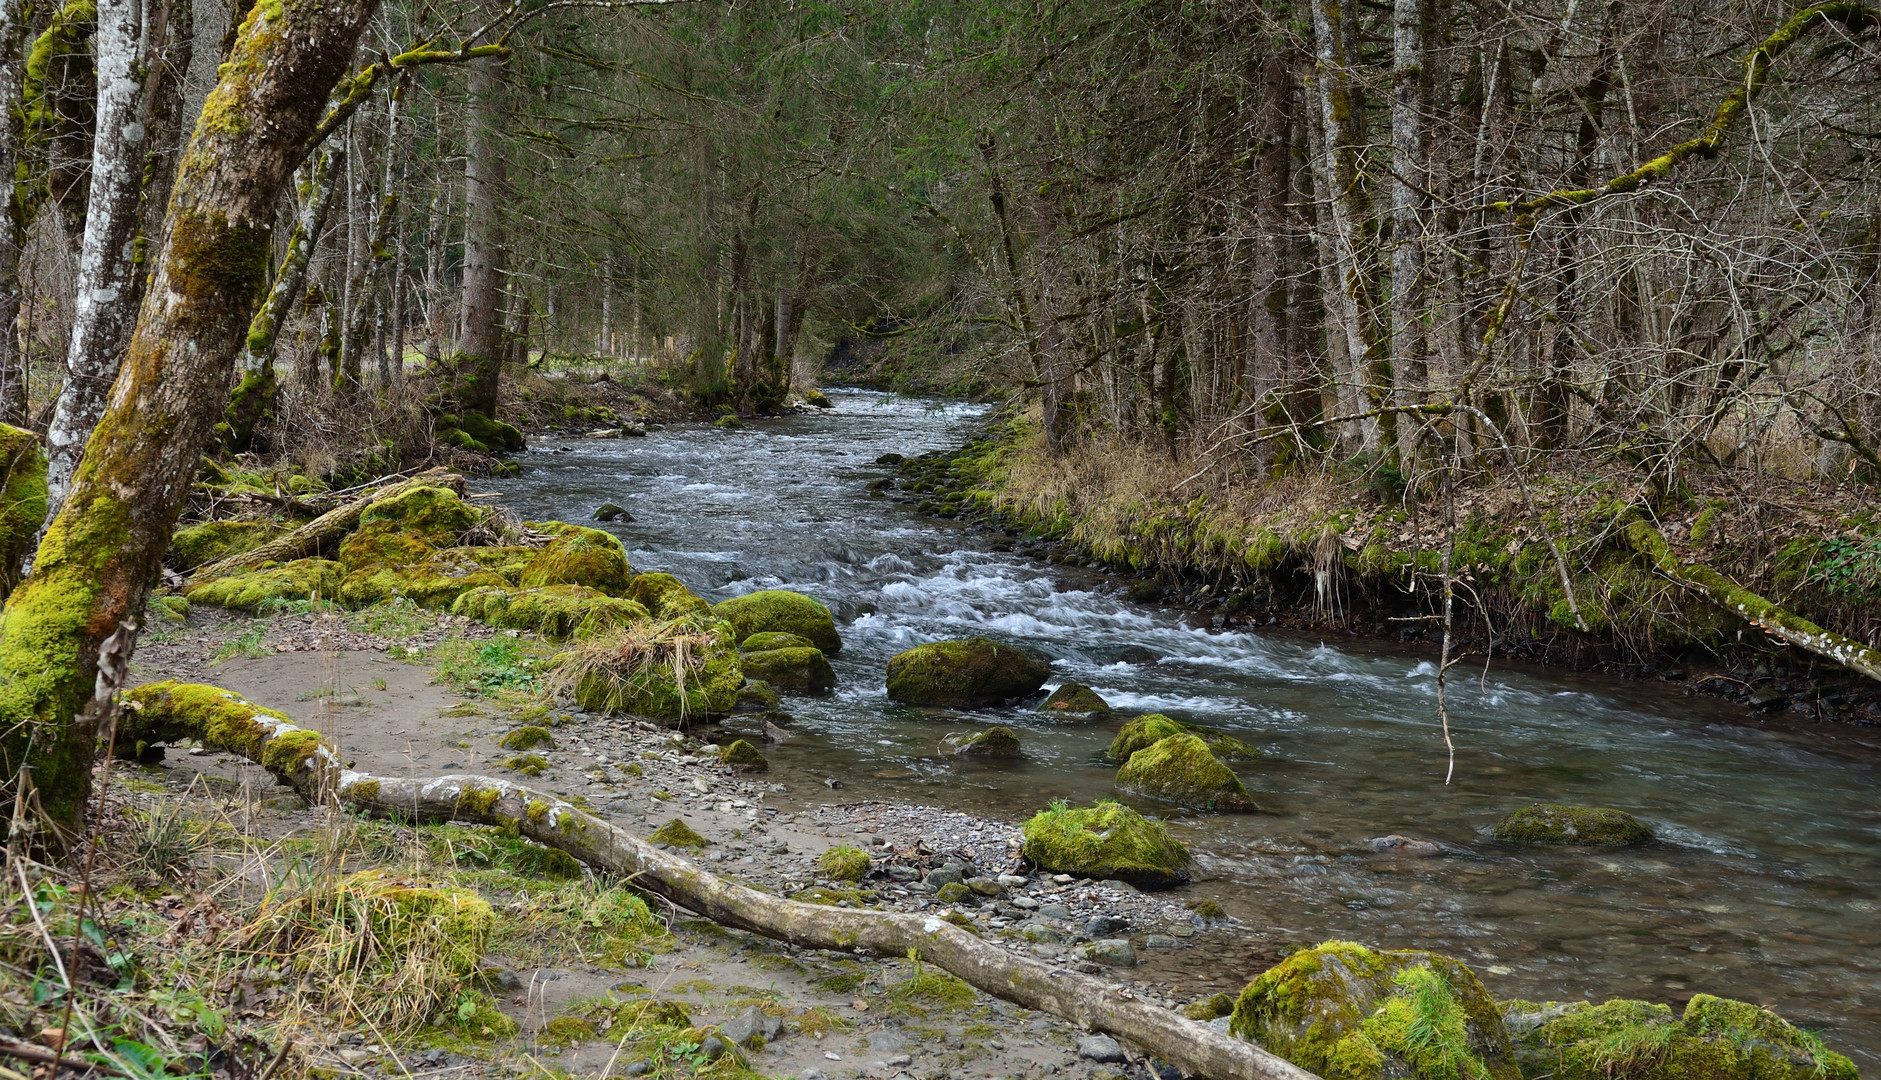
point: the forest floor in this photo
(201, 852)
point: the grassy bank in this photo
(1339, 548)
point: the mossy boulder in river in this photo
(1717, 1039)
(666, 596)
(1549, 823)
(994, 742)
(1180, 769)
(1152, 728)
(781, 611)
(1348, 1012)
(968, 674)
(271, 583)
(579, 556)
(1106, 841)
(772, 639)
(1074, 699)
(804, 669)
(554, 611)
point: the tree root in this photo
(163, 712)
(1764, 615)
(324, 532)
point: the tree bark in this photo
(1408, 167)
(94, 567)
(167, 712)
(480, 342)
(15, 16)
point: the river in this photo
(1765, 884)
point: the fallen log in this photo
(1772, 619)
(324, 532)
(167, 712)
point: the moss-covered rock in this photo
(844, 862)
(994, 742)
(527, 737)
(435, 582)
(1108, 840)
(22, 500)
(204, 543)
(744, 757)
(676, 833)
(527, 764)
(969, 674)
(510, 562)
(666, 596)
(494, 435)
(579, 556)
(1209, 1008)
(1352, 1013)
(1144, 731)
(1181, 769)
(430, 515)
(804, 668)
(772, 639)
(756, 695)
(1074, 699)
(817, 399)
(271, 583)
(1716, 1039)
(1550, 823)
(171, 608)
(557, 612)
(711, 682)
(781, 611)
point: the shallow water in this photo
(1766, 884)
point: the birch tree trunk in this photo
(1407, 242)
(102, 311)
(480, 342)
(14, 23)
(95, 565)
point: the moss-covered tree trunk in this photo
(480, 341)
(94, 567)
(14, 17)
(22, 501)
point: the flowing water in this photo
(1765, 884)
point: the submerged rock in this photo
(817, 399)
(1550, 823)
(994, 742)
(1396, 844)
(608, 511)
(802, 668)
(781, 611)
(1108, 840)
(1074, 699)
(271, 583)
(554, 611)
(1717, 1039)
(665, 596)
(1181, 769)
(968, 674)
(1344, 1010)
(1137, 655)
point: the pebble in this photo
(1110, 952)
(1100, 1048)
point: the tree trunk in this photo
(480, 342)
(15, 16)
(170, 712)
(251, 407)
(103, 314)
(94, 567)
(1409, 173)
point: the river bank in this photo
(1326, 552)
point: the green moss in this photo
(676, 833)
(1181, 769)
(711, 687)
(212, 257)
(1144, 731)
(494, 434)
(199, 545)
(973, 673)
(302, 579)
(817, 399)
(771, 639)
(22, 500)
(367, 790)
(1074, 699)
(757, 696)
(167, 712)
(526, 764)
(804, 669)
(744, 757)
(1108, 840)
(579, 556)
(478, 803)
(565, 1031)
(953, 892)
(1548, 823)
(432, 515)
(994, 742)
(1205, 1009)
(477, 1019)
(1622, 1039)
(528, 737)
(170, 608)
(1352, 1013)
(436, 583)
(556, 612)
(844, 862)
(384, 544)
(781, 611)
(666, 596)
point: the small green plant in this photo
(1851, 568)
(166, 842)
(246, 644)
(844, 862)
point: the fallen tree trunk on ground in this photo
(167, 712)
(326, 531)
(1764, 615)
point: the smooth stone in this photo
(986, 886)
(1012, 881)
(1025, 903)
(1035, 931)
(1100, 1048)
(1161, 941)
(945, 875)
(1111, 952)
(1103, 926)
(1054, 911)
